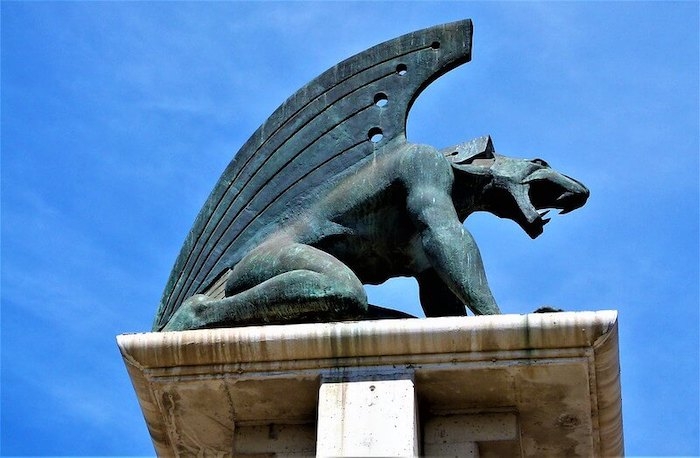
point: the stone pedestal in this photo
(507, 385)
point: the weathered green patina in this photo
(328, 195)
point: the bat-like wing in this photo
(349, 114)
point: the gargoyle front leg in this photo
(480, 298)
(457, 262)
(449, 247)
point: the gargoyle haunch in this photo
(328, 195)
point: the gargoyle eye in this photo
(540, 162)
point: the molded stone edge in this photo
(538, 331)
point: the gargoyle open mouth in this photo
(545, 189)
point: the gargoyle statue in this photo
(328, 195)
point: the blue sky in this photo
(118, 118)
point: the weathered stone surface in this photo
(557, 373)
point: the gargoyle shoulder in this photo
(423, 166)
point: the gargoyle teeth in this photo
(546, 220)
(564, 196)
(542, 213)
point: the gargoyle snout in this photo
(551, 189)
(574, 197)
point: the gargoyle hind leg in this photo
(436, 298)
(278, 284)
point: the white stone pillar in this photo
(367, 414)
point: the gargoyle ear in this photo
(467, 152)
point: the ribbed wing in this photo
(350, 113)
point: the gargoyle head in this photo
(518, 189)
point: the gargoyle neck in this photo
(468, 193)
